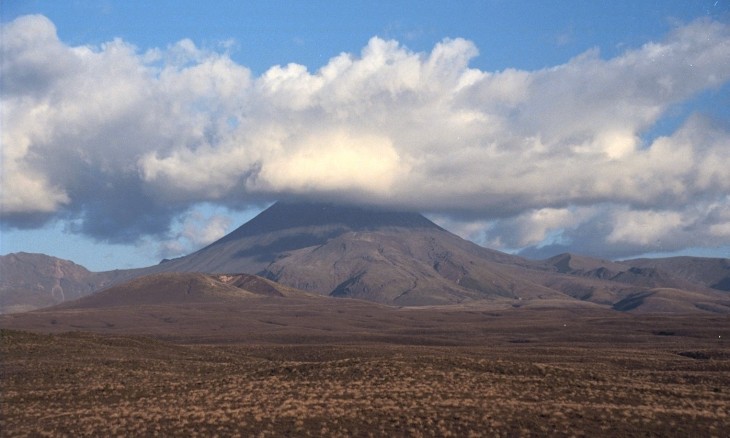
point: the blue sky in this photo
(526, 34)
(143, 130)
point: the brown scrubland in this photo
(409, 372)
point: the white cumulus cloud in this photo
(124, 141)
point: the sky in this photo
(134, 131)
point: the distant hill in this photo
(585, 266)
(649, 275)
(33, 281)
(183, 288)
(711, 272)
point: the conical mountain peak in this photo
(288, 226)
(291, 215)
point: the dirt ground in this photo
(661, 376)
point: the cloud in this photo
(617, 231)
(332, 162)
(192, 230)
(535, 226)
(124, 142)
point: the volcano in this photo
(285, 227)
(386, 256)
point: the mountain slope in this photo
(670, 300)
(405, 267)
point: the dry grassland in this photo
(84, 384)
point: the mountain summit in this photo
(286, 215)
(288, 226)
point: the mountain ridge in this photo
(404, 259)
